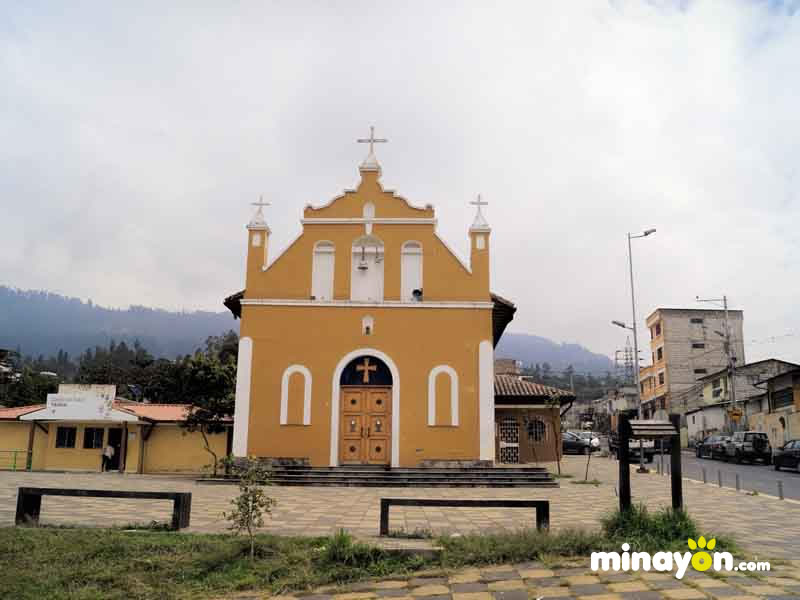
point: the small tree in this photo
(209, 387)
(251, 504)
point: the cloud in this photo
(137, 136)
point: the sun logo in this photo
(701, 561)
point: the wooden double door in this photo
(366, 430)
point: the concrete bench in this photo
(542, 507)
(29, 502)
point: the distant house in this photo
(70, 432)
(713, 408)
(780, 417)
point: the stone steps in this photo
(380, 476)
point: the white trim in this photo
(241, 413)
(453, 394)
(282, 252)
(467, 268)
(113, 416)
(486, 399)
(362, 221)
(337, 374)
(393, 193)
(359, 304)
(284, 418)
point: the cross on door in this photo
(366, 368)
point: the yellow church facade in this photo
(367, 340)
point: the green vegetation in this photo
(664, 530)
(94, 564)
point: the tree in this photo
(29, 388)
(251, 503)
(209, 386)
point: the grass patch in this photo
(665, 530)
(112, 564)
(594, 482)
(417, 534)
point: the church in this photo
(367, 340)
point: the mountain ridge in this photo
(42, 323)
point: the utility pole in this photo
(728, 349)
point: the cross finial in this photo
(480, 220)
(260, 204)
(258, 218)
(479, 203)
(371, 140)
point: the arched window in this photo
(322, 271)
(411, 272)
(286, 384)
(366, 271)
(450, 374)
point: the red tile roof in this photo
(156, 412)
(510, 385)
(12, 414)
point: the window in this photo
(661, 378)
(696, 320)
(366, 271)
(93, 437)
(445, 378)
(782, 398)
(658, 329)
(698, 345)
(716, 383)
(700, 371)
(322, 271)
(65, 437)
(660, 353)
(692, 419)
(411, 272)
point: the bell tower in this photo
(257, 243)
(479, 233)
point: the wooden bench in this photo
(29, 502)
(542, 507)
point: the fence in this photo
(15, 460)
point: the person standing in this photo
(108, 454)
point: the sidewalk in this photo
(533, 581)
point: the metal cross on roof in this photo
(260, 204)
(479, 202)
(371, 139)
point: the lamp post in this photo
(631, 236)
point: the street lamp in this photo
(631, 236)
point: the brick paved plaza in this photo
(764, 525)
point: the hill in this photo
(44, 323)
(532, 349)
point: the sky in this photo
(135, 135)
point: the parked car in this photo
(712, 447)
(750, 446)
(647, 446)
(788, 456)
(572, 443)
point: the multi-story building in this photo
(686, 345)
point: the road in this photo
(758, 477)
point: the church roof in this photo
(502, 312)
(517, 388)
